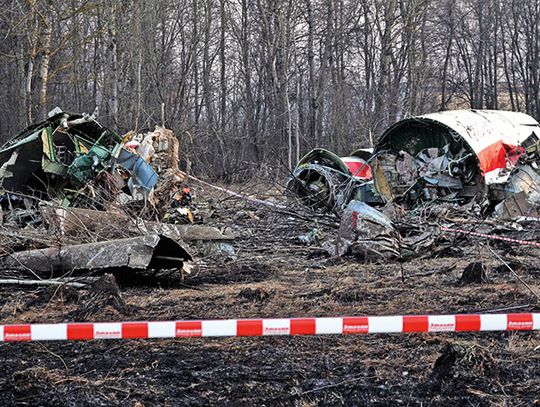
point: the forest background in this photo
(251, 85)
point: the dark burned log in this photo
(151, 251)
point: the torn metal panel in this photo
(4, 172)
(516, 206)
(86, 166)
(366, 232)
(417, 244)
(19, 161)
(363, 153)
(358, 167)
(525, 179)
(139, 253)
(322, 180)
(187, 232)
(64, 150)
(141, 173)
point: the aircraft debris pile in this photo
(485, 162)
(76, 196)
(325, 181)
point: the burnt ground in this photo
(276, 275)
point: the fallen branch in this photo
(515, 274)
(235, 194)
(16, 281)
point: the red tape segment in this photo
(266, 327)
(495, 237)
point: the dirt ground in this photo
(276, 275)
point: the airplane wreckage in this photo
(76, 196)
(484, 157)
(454, 156)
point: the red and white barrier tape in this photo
(264, 327)
(495, 237)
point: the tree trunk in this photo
(44, 71)
(113, 64)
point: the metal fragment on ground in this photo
(136, 253)
(366, 232)
(113, 225)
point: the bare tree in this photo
(257, 83)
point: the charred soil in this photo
(275, 274)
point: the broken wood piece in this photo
(53, 282)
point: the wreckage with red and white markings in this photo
(490, 157)
(477, 162)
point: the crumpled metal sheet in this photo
(142, 174)
(366, 232)
(489, 133)
(525, 179)
(516, 206)
(318, 186)
(65, 144)
(137, 253)
(324, 181)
